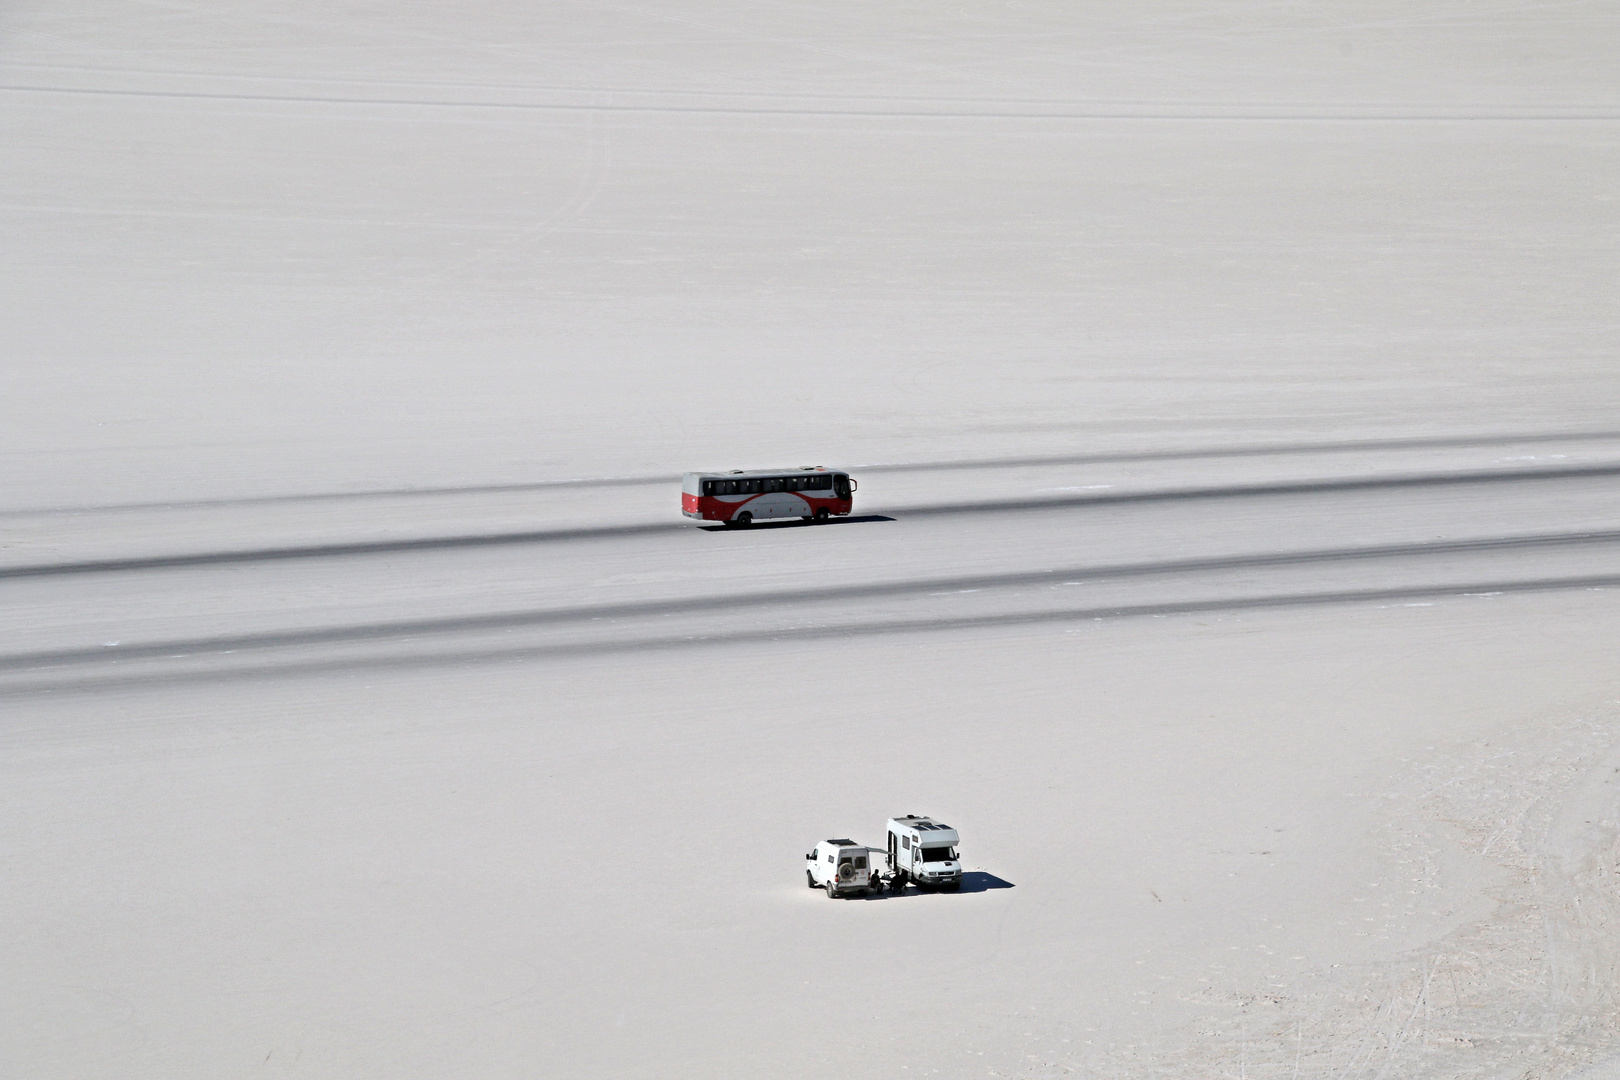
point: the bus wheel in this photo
(821, 516)
(745, 519)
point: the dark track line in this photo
(478, 540)
(1203, 116)
(1238, 491)
(533, 619)
(1251, 450)
(326, 551)
(962, 464)
(353, 496)
(418, 660)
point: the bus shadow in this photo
(794, 523)
(973, 881)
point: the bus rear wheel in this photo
(744, 519)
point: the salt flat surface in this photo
(1232, 393)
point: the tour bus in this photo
(741, 498)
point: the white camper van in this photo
(923, 851)
(842, 867)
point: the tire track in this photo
(1217, 113)
(791, 598)
(879, 468)
(48, 662)
(612, 532)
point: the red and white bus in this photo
(742, 498)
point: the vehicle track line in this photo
(326, 551)
(1206, 114)
(44, 683)
(953, 465)
(610, 532)
(1238, 491)
(535, 618)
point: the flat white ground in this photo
(1232, 391)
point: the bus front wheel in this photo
(821, 516)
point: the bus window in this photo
(774, 484)
(708, 487)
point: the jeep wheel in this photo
(832, 890)
(810, 879)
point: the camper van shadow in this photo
(974, 881)
(978, 881)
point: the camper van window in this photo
(905, 842)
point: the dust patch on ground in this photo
(1529, 990)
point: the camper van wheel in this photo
(952, 886)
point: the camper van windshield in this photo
(938, 854)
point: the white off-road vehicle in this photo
(842, 867)
(923, 851)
